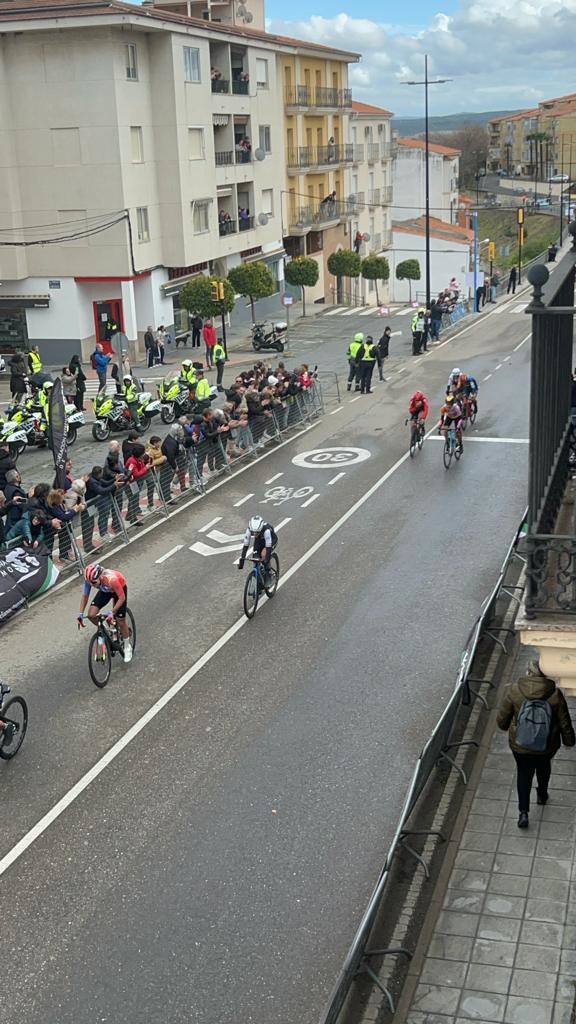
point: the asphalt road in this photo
(215, 867)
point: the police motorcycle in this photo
(174, 394)
(113, 414)
(267, 335)
(28, 418)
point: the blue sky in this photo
(501, 54)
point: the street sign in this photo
(327, 458)
(287, 300)
(384, 311)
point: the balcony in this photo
(386, 241)
(245, 223)
(227, 227)
(373, 152)
(374, 197)
(224, 158)
(358, 154)
(386, 195)
(306, 96)
(240, 88)
(303, 157)
(220, 85)
(243, 156)
(386, 151)
(304, 218)
(375, 245)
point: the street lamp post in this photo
(426, 83)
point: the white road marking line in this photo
(335, 479)
(499, 367)
(519, 308)
(487, 377)
(523, 342)
(507, 359)
(225, 538)
(116, 749)
(501, 309)
(401, 370)
(334, 411)
(204, 529)
(416, 361)
(273, 478)
(357, 399)
(369, 312)
(283, 522)
(351, 312)
(333, 312)
(489, 440)
(404, 312)
(205, 549)
(309, 501)
(243, 500)
(169, 554)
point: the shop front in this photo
(13, 323)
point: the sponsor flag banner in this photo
(57, 431)
(24, 573)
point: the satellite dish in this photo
(259, 154)
(262, 218)
(366, 236)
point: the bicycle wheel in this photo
(15, 713)
(272, 575)
(459, 449)
(447, 454)
(131, 628)
(251, 594)
(473, 414)
(413, 441)
(421, 437)
(100, 659)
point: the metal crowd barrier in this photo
(436, 749)
(115, 517)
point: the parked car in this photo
(541, 204)
(558, 178)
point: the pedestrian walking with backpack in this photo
(535, 715)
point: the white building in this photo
(409, 180)
(450, 251)
(121, 130)
(370, 187)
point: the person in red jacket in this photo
(418, 408)
(209, 335)
(137, 466)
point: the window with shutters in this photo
(268, 201)
(131, 61)
(142, 224)
(265, 138)
(196, 144)
(261, 73)
(201, 216)
(191, 64)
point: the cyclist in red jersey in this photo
(418, 408)
(110, 584)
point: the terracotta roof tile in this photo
(438, 229)
(434, 147)
(367, 108)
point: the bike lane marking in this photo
(243, 500)
(335, 479)
(204, 529)
(55, 812)
(273, 478)
(309, 501)
(169, 554)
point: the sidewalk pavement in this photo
(503, 947)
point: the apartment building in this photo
(224, 12)
(317, 213)
(539, 140)
(370, 185)
(144, 148)
(508, 145)
(409, 180)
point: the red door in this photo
(108, 321)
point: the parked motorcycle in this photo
(267, 335)
(29, 423)
(174, 394)
(112, 414)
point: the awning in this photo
(171, 288)
(221, 193)
(220, 120)
(264, 257)
(24, 301)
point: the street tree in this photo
(375, 268)
(196, 297)
(408, 270)
(303, 271)
(253, 281)
(343, 263)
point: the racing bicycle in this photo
(417, 434)
(14, 715)
(104, 644)
(260, 578)
(452, 447)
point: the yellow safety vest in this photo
(218, 352)
(202, 390)
(36, 362)
(190, 377)
(354, 348)
(369, 355)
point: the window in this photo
(200, 216)
(131, 61)
(196, 144)
(261, 73)
(268, 201)
(136, 145)
(265, 138)
(191, 64)
(142, 224)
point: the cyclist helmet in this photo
(417, 396)
(449, 398)
(463, 378)
(359, 336)
(456, 372)
(255, 524)
(93, 572)
(186, 363)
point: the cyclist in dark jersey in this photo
(263, 537)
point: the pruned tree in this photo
(196, 297)
(375, 268)
(303, 272)
(408, 270)
(253, 281)
(343, 263)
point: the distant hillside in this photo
(447, 123)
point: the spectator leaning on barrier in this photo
(12, 491)
(535, 715)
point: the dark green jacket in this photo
(536, 687)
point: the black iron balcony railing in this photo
(358, 154)
(299, 96)
(373, 151)
(320, 156)
(374, 197)
(227, 227)
(224, 158)
(245, 223)
(320, 96)
(243, 156)
(329, 210)
(240, 88)
(386, 194)
(551, 539)
(220, 85)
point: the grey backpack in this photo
(534, 725)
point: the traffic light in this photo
(217, 291)
(492, 250)
(520, 214)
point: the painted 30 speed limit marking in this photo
(328, 458)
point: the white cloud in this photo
(500, 53)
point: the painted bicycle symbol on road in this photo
(278, 495)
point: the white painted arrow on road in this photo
(204, 549)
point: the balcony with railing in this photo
(373, 152)
(220, 84)
(226, 224)
(386, 195)
(376, 243)
(386, 151)
(321, 96)
(374, 197)
(245, 221)
(303, 157)
(329, 211)
(358, 154)
(224, 158)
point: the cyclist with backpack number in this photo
(263, 537)
(535, 715)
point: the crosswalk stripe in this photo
(351, 312)
(369, 312)
(404, 312)
(333, 312)
(501, 309)
(519, 308)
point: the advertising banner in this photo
(24, 573)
